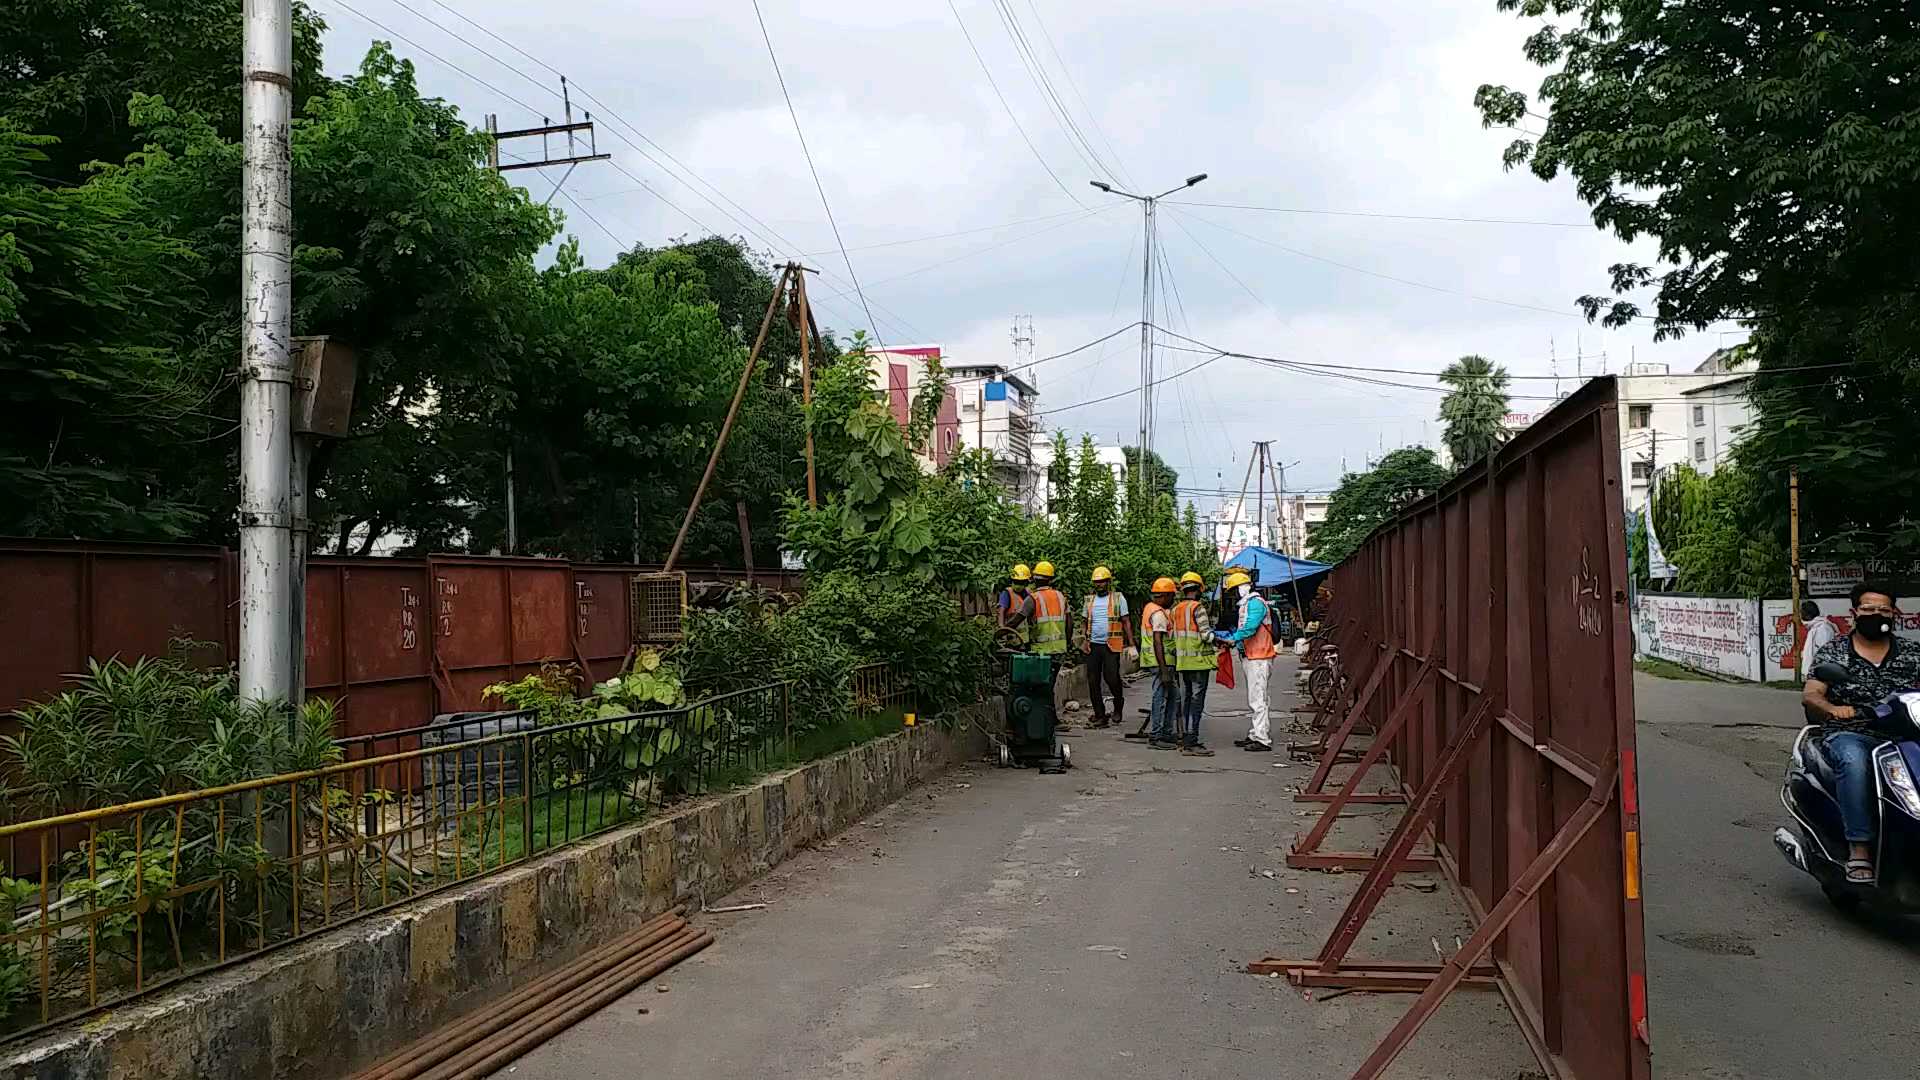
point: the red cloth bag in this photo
(1223, 669)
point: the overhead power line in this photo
(817, 185)
(1565, 313)
(1391, 216)
(1024, 137)
(1057, 109)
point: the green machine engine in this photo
(1030, 732)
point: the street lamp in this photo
(1147, 204)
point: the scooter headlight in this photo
(1899, 783)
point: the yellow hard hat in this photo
(1043, 568)
(1021, 573)
(1191, 578)
(1164, 585)
(1101, 573)
(1236, 579)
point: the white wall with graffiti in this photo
(1708, 633)
(1777, 621)
(1739, 639)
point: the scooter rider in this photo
(1878, 665)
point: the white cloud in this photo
(1365, 105)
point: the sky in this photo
(1363, 107)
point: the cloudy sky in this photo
(1363, 106)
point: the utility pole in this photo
(570, 159)
(1793, 555)
(266, 369)
(1260, 526)
(1287, 546)
(1148, 204)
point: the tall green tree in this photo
(1474, 411)
(70, 69)
(1773, 152)
(1366, 500)
(1162, 480)
(96, 305)
(406, 247)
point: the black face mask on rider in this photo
(1874, 627)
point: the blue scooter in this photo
(1815, 841)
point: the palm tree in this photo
(1475, 409)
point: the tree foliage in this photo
(1474, 411)
(1700, 521)
(1161, 478)
(1364, 501)
(95, 305)
(1773, 151)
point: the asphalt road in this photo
(1090, 925)
(1752, 973)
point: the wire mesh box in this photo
(657, 607)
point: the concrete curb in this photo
(327, 1006)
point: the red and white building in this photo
(900, 372)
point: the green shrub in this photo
(126, 732)
(753, 640)
(915, 627)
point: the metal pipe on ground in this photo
(449, 1039)
(486, 1058)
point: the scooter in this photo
(1815, 842)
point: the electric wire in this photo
(817, 185)
(1391, 216)
(1024, 137)
(1023, 51)
(1074, 85)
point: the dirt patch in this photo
(1716, 944)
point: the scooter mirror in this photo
(1831, 674)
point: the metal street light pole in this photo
(1147, 205)
(266, 369)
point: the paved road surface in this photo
(1753, 974)
(1090, 925)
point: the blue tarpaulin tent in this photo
(1269, 567)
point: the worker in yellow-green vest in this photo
(1016, 611)
(1194, 659)
(1049, 618)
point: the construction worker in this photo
(1049, 618)
(1254, 637)
(1109, 636)
(1158, 620)
(1018, 614)
(1193, 658)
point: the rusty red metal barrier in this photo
(1503, 697)
(394, 640)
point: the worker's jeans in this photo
(1193, 685)
(1257, 671)
(1165, 710)
(1852, 757)
(1103, 667)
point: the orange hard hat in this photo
(1165, 585)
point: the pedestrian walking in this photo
(1194, 658)
(1157, 617)
(1820, 630)
(1109, 637)
(1254, 639)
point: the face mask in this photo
(1100, 589)
(1245, 591)
(1874, 627)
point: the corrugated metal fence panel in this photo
(1515, 583)
(393, 640)
(63, 602)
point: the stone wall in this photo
(338, 1002)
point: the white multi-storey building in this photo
(997, 414)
